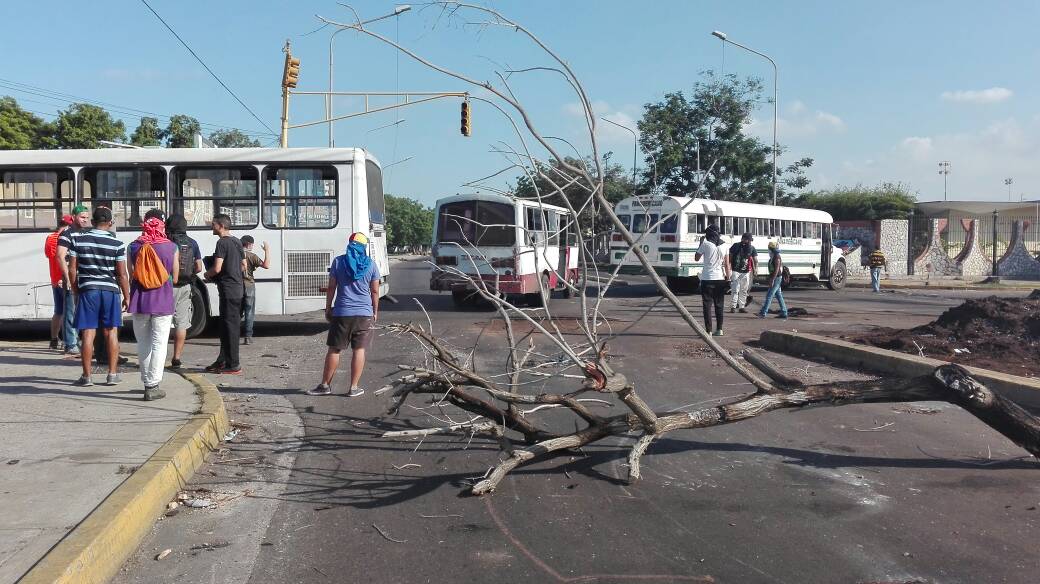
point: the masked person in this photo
(352, 308)
(743, 262)
(776, 269)
(714, 274)
(153, 269)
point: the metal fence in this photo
(955, 236)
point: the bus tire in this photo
(461, 298)
(199, 313)
(785, 279)
(836, 281)
(543, 295)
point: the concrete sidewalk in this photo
(65, 449)
(946, 284)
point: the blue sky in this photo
(874, 91)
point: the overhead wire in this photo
(203, 63)
(67, 98)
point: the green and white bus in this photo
(676, 226)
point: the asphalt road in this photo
(880, 493)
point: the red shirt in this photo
(50, 249)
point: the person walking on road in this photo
(714, 274)
(743, 262)
(154, 266)
(776, 269)
(877, 261)
(352, 309)
(189, 263)
(80, 222)
(252, 262)
(98, 274)
(50, 251)
(227, 273)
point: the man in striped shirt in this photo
(98, 274)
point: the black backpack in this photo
(186, 264)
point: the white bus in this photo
(510, 244)
(304, 201)
(804, 235)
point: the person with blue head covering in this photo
(776, 268)
(352, 308)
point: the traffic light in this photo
(292, 71)
(466, 128)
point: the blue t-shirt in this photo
(353, 298)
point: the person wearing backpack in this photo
(154, 267)
(189, 264)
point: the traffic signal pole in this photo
(290, 77)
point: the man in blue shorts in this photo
(98, 274)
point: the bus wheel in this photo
(785, 279)
(461, 298)
(543, 295)
(837, 279)
(199, 314)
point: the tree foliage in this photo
(233, 138)
(859, 203)
(409, 223)
(147, 133)
(20, 129)
(181, 131)
(711, 123)
(84, 126)
(617, 184)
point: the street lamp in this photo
(1009, 181)
(944, 170)
(332, 41)
(635, 145)
(722, 36)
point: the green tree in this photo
(710, 125)
(409, 223)
(84, 126)
(181, 132)
(19, 129)
(617, 184)
(859, 203)
(233, 138)
(147, 133)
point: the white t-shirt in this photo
(712, 256)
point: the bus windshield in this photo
(477, 223)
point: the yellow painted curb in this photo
(96, 549)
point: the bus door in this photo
(826, 252)
(566, 229)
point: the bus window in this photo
(670, 224)
(300, 197)
(553, 227)
(727, 225)
(376, 205)
(774, 228)
(535, 226)
(640, 223)
(201, 193)
(129, 192)
(695, 223)
(470, 223)
(626, 220)
(34, 200)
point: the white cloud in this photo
(796, 121)
(980, 96)
(917, 147)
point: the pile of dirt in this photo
(1002, 334)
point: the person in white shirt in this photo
(714, 276)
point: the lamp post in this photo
(635, 146)
(1009, 181)
(944, 170)
(332, 41)
(721, 35)
(996, 272)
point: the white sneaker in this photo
(355, 391)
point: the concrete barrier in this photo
(1023, 390)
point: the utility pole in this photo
(944, 170)
(290, 77)
(1009, 181)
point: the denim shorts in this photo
(99, 309)
(59, 300)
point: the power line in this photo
(120, 109)
(201, 62)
